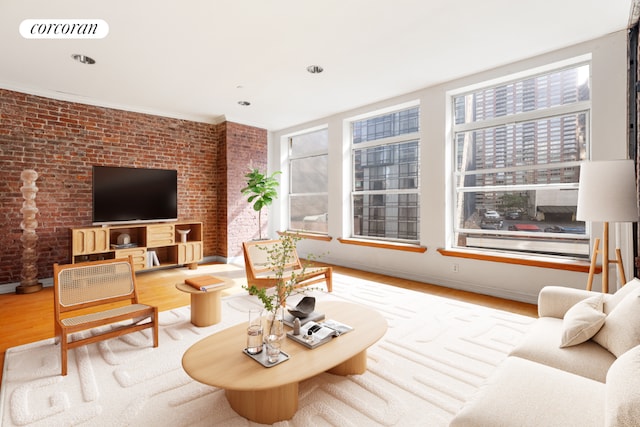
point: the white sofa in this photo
(579, 365)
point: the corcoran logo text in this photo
(64, 29)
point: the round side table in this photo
(206, 307)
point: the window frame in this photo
(306, 155)
(457, 230)
(385, 142)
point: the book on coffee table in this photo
(321, 333)
(204, 283)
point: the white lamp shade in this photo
(607, 192)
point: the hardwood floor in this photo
(29, 318)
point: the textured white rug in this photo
(434, 356)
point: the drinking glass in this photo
(273, 348)
(254, 332)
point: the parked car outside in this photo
(563, 229)
(492, 215)
(524, 227)
(491, 224)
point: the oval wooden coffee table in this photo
(268, 395)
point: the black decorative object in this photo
(303, 308)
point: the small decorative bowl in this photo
(304, 308)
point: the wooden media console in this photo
(150, 245)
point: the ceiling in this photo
(196, 59)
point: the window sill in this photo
(311, 236)
(568, 265)
(384, 245)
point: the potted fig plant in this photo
(261, 190)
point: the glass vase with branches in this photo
(279, 257)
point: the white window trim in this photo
(290, 158)
(396, 139)
(455, 176)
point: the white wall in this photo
(608, 138)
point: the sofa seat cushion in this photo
(524, 393)
(622, 408)
(542, 344)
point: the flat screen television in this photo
(123, 194)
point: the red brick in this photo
(62, 140)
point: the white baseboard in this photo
(448, 283)
(10, 288)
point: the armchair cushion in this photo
(622, 394)
(582, 321)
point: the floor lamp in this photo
(607, 193)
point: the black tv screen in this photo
(122, 194)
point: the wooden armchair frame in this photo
(261, 275)
(98, 293)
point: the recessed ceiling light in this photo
(83, 59)
(244, 103)
(315, 69)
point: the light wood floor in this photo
(29, 318)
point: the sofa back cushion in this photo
(621, 329)
(622, 391)
(611, 301)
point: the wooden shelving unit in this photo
(161, 239)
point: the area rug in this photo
(434, 356)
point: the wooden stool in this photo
(206, 307)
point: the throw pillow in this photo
(582, 321)
(621, 329)
(622, 395)
(621, 294)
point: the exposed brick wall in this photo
(245, 148)
(62, 140)
(220, 207)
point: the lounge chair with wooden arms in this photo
(98, 293)
(260, 272)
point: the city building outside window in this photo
(308, 186)
(385, 195)
(517, 150)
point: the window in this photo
(385, 195)
(517, 151)
(308, 186)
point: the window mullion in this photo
(386, 141)
(519, 168)
(495, 188)
(579, 107)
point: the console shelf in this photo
(152, 245)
